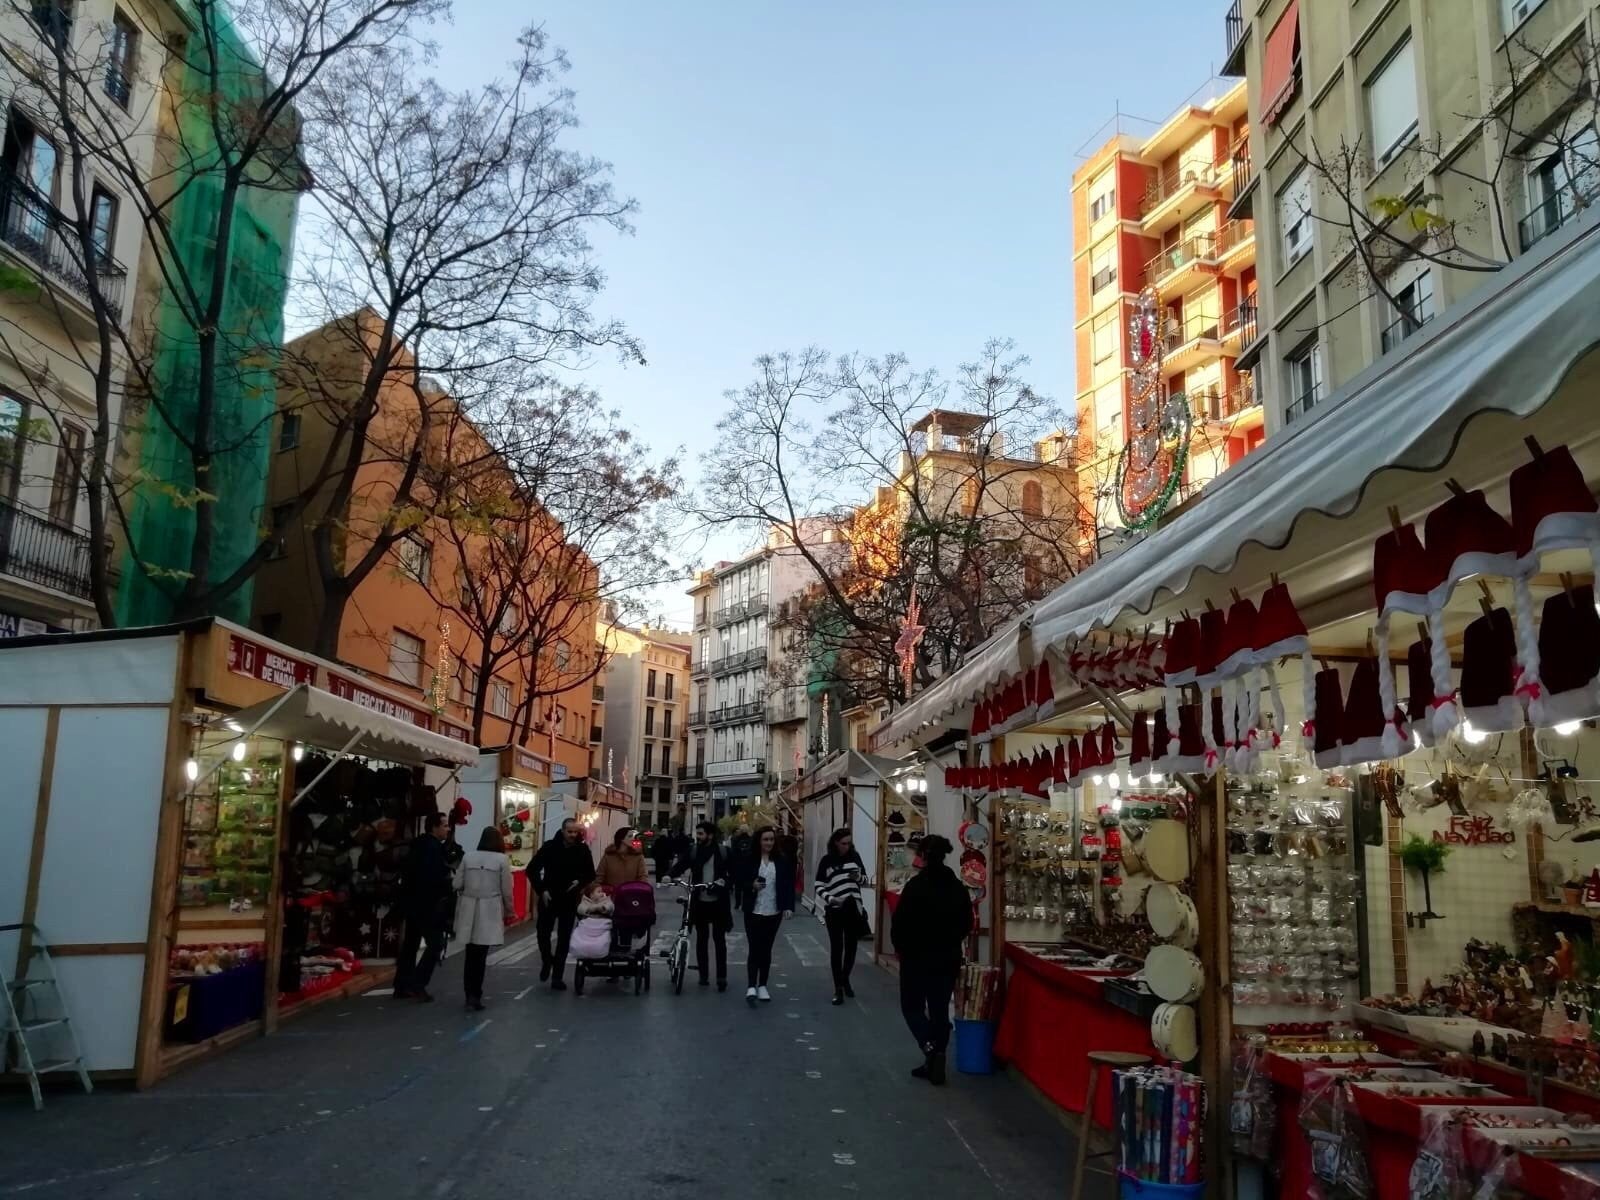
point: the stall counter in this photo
(1052, 1018)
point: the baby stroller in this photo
(626, 954)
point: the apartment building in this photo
(1155, 225)
(1403, 158)
(404, 622)
(48, 328)
(643, 734)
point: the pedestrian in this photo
(710, 911)
(929, 932)
(622, 861)
(839, 877)
(663, 852)
(739, 846)
(425, 894)
(766, 894)
(483, 879)
(559, 872)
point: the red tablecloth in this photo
(1052, 1018)
(519, 895)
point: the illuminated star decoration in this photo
(911, 631)
(825, 706)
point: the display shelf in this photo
(1553, 908)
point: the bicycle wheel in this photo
(680, 964)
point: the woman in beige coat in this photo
(483, 879)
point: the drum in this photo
(1166, 849)
(1174, 974)
(1172, 915)
(1173, 1031)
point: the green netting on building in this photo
(257, 260)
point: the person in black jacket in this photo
(929, 931)
(426, 889)
(710, 911)
(840, 875)
(766, 894)
(559, 872)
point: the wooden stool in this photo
(1115, 1060)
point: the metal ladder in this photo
(24, 998)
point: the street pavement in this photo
(694, 1096)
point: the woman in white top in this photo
(766, 894)
(483, 878)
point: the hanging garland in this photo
(1150, 467)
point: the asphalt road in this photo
(553, 1094)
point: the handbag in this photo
(863, 926)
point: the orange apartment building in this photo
(1160, 211)
(395, 628)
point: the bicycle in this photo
(677, 955)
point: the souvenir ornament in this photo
(1174, 974)
(1150, 466)
(1173, 1032)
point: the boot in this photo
(936, 1067)
(838, 996)
(544, 972)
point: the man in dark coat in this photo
(929, 932)
(425, 894)
(559, 872)
(711, 910)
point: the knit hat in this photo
(1329, 718)
(1108, 744)
(1161, 749)
(1364, 720)
(1191, 745)
(1280, 633)
(1403, 575)
(1074, 763)
(1044, 691)
(1569, 645)
(1489, 673)
(1139, 751)
(1551, 509)
(1179, 668)
(1419, 703)
(1091, 751)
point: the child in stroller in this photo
(612, 937)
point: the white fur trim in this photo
(1236, 664)
(1577, 704)
(1308, 696)
(1442, 716)
(1561, 531)
(1528, 686)
(1170, 702)
(1495, 718)
(1178, 679)
(1362, 750)
(1326, 760)
(1474, 562)
(1275, 726)
(1284, 648)
(1392, 744)
(1415, 603)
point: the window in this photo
(289, 431)
(1032, 577)
(666, 760)
(649, 759)
(1412, 289)
(415, 557)
(563, 654)
(13, 419)
(500, 698)
(29, 162)
(650, 722)
(1294, 217)
(1103, 266)
(1032, 499)
(1103, 336)
(650, 684)
(1560, 183)
(705, 648)
(103, 225)
(971, 490)
(1392, 102)
(405, 658)
(669, 685)
(68, 474)
(699, 754)
(1305, 380)
(469, 685)
(666, 723)
(120, 60)
(1515, 12)
(282, 514)
(1102, 195)
(54, 18)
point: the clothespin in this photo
(1234, 592)
(1371, 649)
(1322, 663)
(1394, 517)
(1486, 601)
(1533, 446)
(1455, 487)
(1567, 583)
(1422, 631)
(1274, 578)
(1210, 607)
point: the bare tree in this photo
(959, 491)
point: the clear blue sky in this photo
(882, 176)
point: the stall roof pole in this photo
(336, 760)
(265, 717)
(1117, 708)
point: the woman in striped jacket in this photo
(840, 875)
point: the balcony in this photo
(733, 714)
(1180, 191)
(41, 552)
(1191, 342)
(46, 239)
(1402, 327)
(1559, 207)
(1236, 246)
(738, 662)
(739, 610)
(698, 771)
(1183, 266)
(734, 768)
(1218, 407)
(1239, 324)
(697, 716)
(1303, 404)
(1244, 182)
(1235, 30)
(596, 734)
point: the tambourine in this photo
(1174, 974)
(974, 835)
(1166, 850)
(1172, 915)
(1173, 1032)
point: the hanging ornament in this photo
(1150, 466)
(439, 688)
(911, 632)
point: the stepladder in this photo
(37, 1036)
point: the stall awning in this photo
(851, 766)
(1505, 349)
(314, 717)
(1278, 65)
(1003, 656)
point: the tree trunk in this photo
(330, 620)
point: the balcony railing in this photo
(1233, 235)
(1214, 404)
(736, 766)
(1303, 404)
(1244, 171)
(1202, 247)
(1241, 320)
(1174, 179)
(697, 716)
(39, 551)
(1181, 333)
(1102, 278)
(739, 609)
(737, 662)
(42, 234)
(1233, 28)
(698, 771)
(597, 733)
(1557, 209)
(1402, 327)
(730, 714)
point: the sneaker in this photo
(762, 993)
(750, 997)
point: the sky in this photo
(881, 176)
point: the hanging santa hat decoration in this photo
(1402, 577)
(1569, 645)
(1183, 644)
(1280, 633)
(1139, 744)
(1213, 630)
(1489, 671)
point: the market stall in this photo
(263, 799)
(1369, 659)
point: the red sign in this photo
(451, 730)
(256, 661)
(348, 689)
(1474, 831)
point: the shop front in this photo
(1298, 790)
(252, 807)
